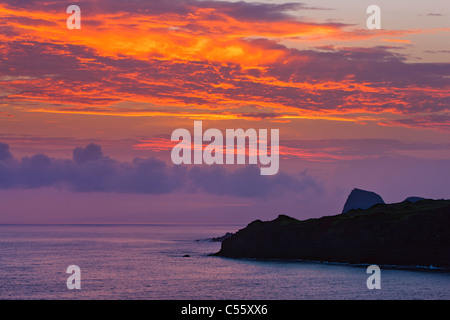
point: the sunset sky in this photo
(86, 115)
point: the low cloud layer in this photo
(91, 171)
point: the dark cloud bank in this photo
(91, 171)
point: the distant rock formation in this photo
(402, 234)
(220, 239)
(413, 199)
(217, 239)
(361, 199)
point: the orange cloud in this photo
(206, 63)
(204, 34)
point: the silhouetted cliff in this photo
(410, 234)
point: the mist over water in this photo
(147, 262)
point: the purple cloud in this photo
(240, 10)
(5, 154)
(92, 152)
(248, 182)
(91, 171)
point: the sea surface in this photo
(147, 262)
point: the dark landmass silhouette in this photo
(361, 199)
(399, 234)
(413, 199)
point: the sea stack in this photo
(361, 199)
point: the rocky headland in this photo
(403, 234)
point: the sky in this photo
(86, 115)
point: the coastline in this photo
(337, 263)
(402, 235)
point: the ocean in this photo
(134, 262)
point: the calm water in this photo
(146, 262)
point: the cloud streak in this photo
(331, 150)
(437, 121)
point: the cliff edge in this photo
(406, 234)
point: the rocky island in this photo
(403, 234)
(361, 199)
